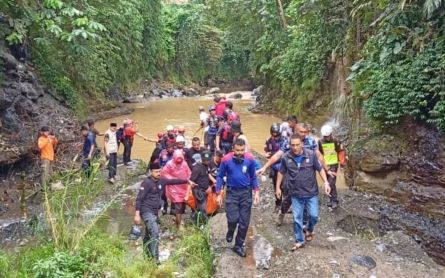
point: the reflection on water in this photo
(154, 116)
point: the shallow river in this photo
(154, 116)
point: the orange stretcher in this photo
(212, 204)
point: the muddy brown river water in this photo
(153, 117)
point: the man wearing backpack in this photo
(46, 143)
(212, 125)
(129, 132)
(333, 154)
(224, 137)
(229, 114)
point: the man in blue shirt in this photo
(87, 149)
(239, 169)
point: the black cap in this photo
(113, 125)
(206, 155)
(44, 128)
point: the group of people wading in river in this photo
(222, 169)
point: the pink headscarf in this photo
(176, 169)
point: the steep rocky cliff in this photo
(406, 165)
(26, 105)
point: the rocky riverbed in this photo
(352, 241)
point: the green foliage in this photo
(193, 252)
(291, 60)
(402, 69)
(21, 264)
(82, 48)
(99, 254)
(197, 44)
(61, 264)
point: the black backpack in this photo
(120, 135)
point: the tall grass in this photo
(193, 253)
(76, 248)
(65, 210)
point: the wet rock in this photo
(363, 260)
(381, 247)
(155, 93)
(379, 154)
(58, 185)
(262, 252)
(189, 92)
(258, 90)
(410, 175)
(377, 184)
(213, 90)
(26, 107)
(3, 208)
(176, 93)
(164, 255)
(14, 230)
(336, 238)
(110, 113)
(29, 91)
(236, 96)
(132, 100)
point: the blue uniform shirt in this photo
(238, 175)
(89, 141)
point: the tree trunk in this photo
(281, 10)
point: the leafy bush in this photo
(402, 70)
(61, 264)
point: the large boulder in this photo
(406, 167)
(213, 90)
(379, 154)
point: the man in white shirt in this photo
(111, 147)
(203, 116)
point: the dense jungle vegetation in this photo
(394, 51)
(395, 48)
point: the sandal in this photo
(309, 236)
(297, 246)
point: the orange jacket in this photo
(46, 147)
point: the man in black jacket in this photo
(201, 177)
(148, 203)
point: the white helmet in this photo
(169, 128)
(180, 139)
(326, 130)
